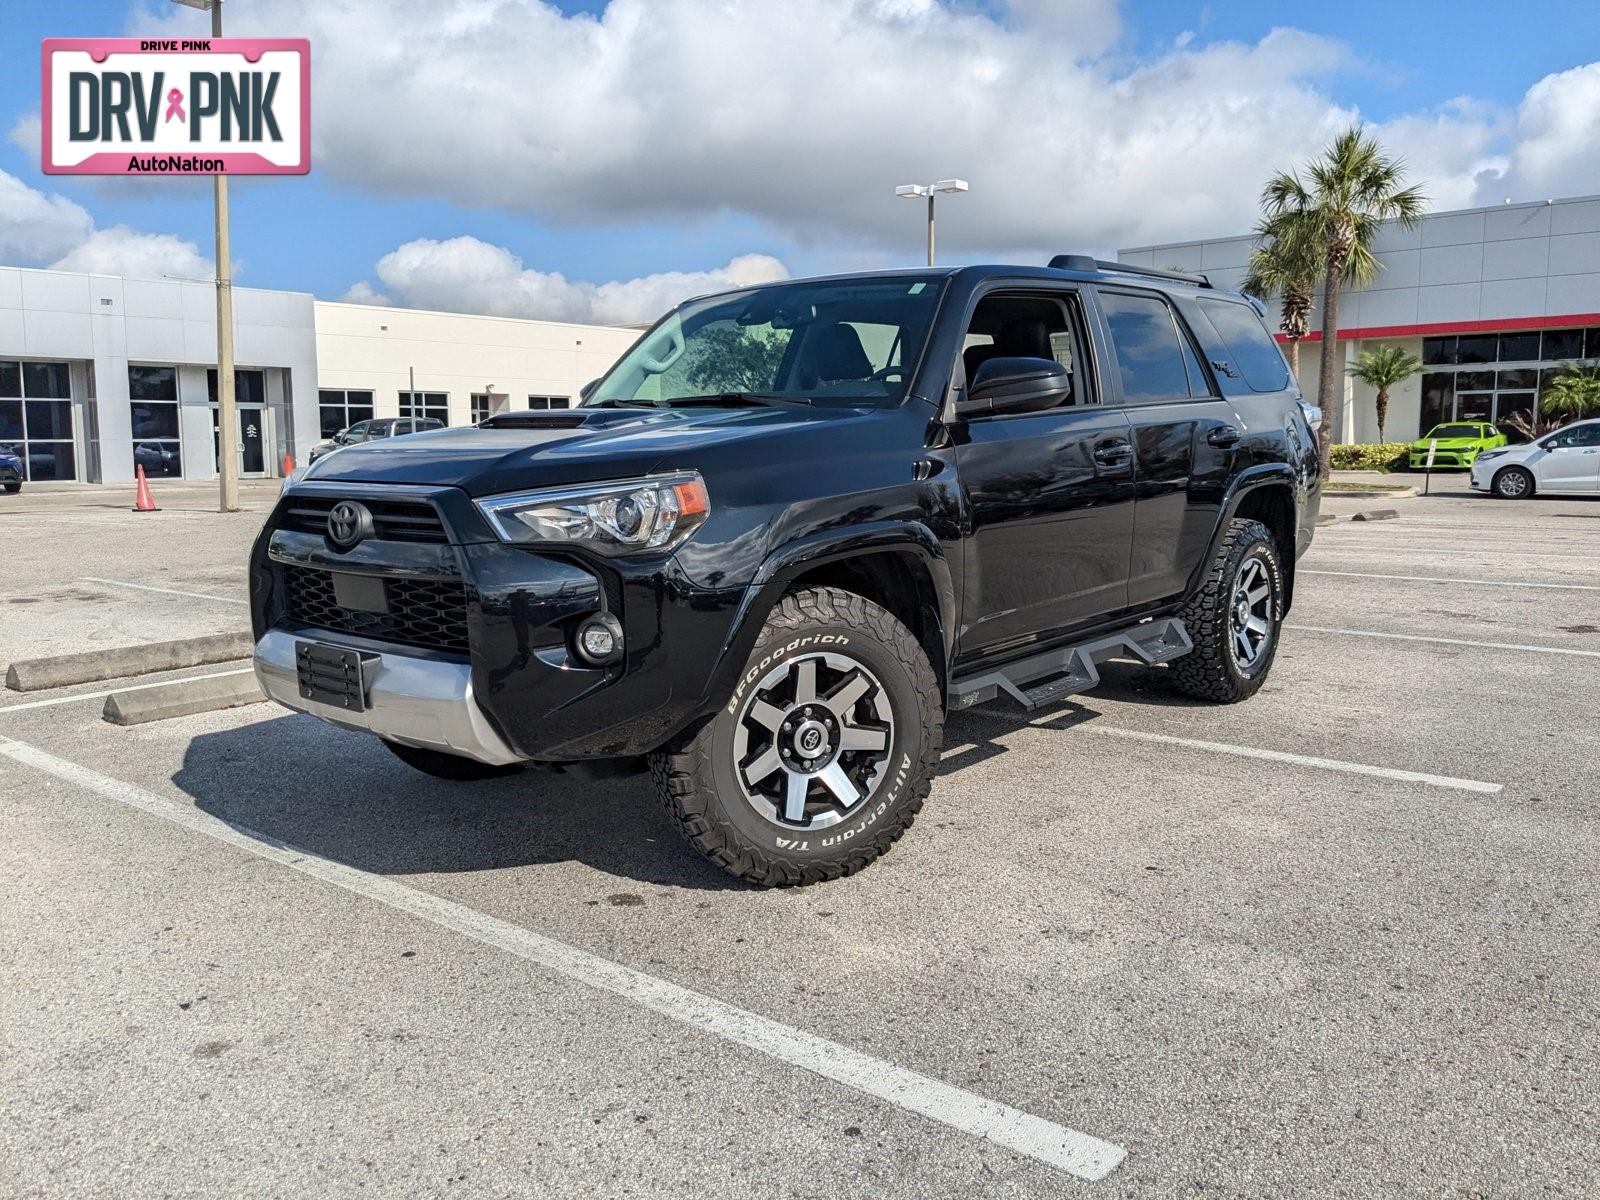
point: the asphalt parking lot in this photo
(1339, 940)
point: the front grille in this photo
(392, 520)
(430, 613)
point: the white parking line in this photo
(130, 687)
(145, 587)
(1446, 641)
(1067, 1150)
(1299, 760)
(1565, 587)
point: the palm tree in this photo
(1285, 264)
(1346, 195)
(1573, 393)
(1382, 369)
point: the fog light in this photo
(600, 639)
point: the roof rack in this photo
(1084, 262)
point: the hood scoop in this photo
(569, 418)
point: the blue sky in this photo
(1394, 62)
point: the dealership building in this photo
(1493, 301)
(99, 374)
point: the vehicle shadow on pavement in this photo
(970, 737)
(342, 796)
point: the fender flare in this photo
(788, 562)
(1275, 474)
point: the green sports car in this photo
(1459, 444)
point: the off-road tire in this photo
(452, 767)
(1210, 671)
(1497, 484)
(696, 780)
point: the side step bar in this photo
(1045, 678)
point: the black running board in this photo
(1045, 678)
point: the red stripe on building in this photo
(1488, 325)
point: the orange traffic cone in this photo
(142, 500)
(288, 465)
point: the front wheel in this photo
(1512, 483)
(824, 754)
(13, 488)
(1233, 619)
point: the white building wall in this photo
(1478, 269)
(376, 349)
(100, 324)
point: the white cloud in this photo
(1556, 146)
(805, 115)
(123, 251)
(464, 274)
(34, 227)
(37, 229)
(27, 135)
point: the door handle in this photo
(1114, 453)
(1223, 436)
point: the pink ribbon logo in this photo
(175, 105)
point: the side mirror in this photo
(1016, 385)
(338, 439)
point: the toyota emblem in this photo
(348, 523)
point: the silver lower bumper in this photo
(415, 701)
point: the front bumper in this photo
(415, 701)
(1482, 473)
(492, 676)
(10, 474)
(1443, 459)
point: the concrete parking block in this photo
(182, 698)
(63, 670)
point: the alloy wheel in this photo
(1250, 616)
(812, 740)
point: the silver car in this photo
(1563, 463)
(371, 430)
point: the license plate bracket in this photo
(333, 675)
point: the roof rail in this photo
(1084, 262)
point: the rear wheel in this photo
(454, 767)
(1512, 483)
(1233, 619)
(824, 755)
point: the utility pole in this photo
(227, 408)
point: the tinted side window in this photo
(1251, 349)
(1145, 342)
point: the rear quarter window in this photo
(1251, 350)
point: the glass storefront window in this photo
(426, 404)
(1479, 393)
(341, 408)
(1560, 344)
(36, 419)
(1519, 347)
(153, 403)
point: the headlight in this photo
(1491, 454)
(613, 518)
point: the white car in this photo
(1563, 463)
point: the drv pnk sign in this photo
(195, 106)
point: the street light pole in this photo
(910, 191)
(227, 408)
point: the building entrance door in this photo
(251, 447)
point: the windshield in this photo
(1456, 431)
(847, 341)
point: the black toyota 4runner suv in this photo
(796, 524)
